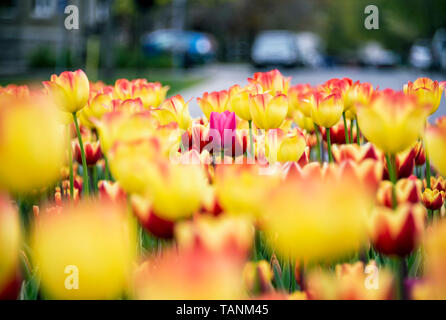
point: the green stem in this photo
(84, 160)
(358, 133)
(351, 131)
(347, 137)
(316, 130)
(330, 155)
(70, 160)
(107, 173)
(251, 139)
(392, 174)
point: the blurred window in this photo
(44, 9)
(8, 8)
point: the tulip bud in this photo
(433, 199)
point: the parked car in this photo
(439, 49)
(275, 48)
(310, 48)
(420, 55)
(189, 47)
(373, 54)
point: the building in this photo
(30, 25)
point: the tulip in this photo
(92, 152)
(435, 139)
(407, 191)
(174, 110)
(220, 235)
(70, 90)
(15, 91)
(239, 101)
(273, 82)
(214, 102)
(222, 128)
(122, 127)
(175, 190)
(285, 147)
(157, 226)
(31, 144)
(298, 98)
(10, 244)
(427, 92)
(392, 121)
(258, 277)
(350, 282)
(97, 106)
(326, 111)
(399, 232)
(438, 183)
(111, 191)
(235, 180)
(305, 123)
(130, 163)
(268, 112)
(433, 285)
(190, 275)
(355, 153)
(85, 252)
(433, 199)
(152, 94)
(337, 133)
(314, 219)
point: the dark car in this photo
(188, 47)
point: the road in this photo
(223, 76)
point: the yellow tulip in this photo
(315, 219)
(239, 101)
(174, 110)
(435, 140)
(326, 108)
(428, 92)
(392, 121)
(267, 111)
(305, 123)
(70, 90)
(284, 147)
(85, 252)
(176, 190)
(299, 100)
(32, 144)
(214, 102)
(121, 126)
(152, 94)
(131, 163)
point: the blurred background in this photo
(206, 45)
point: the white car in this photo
(275, 48)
